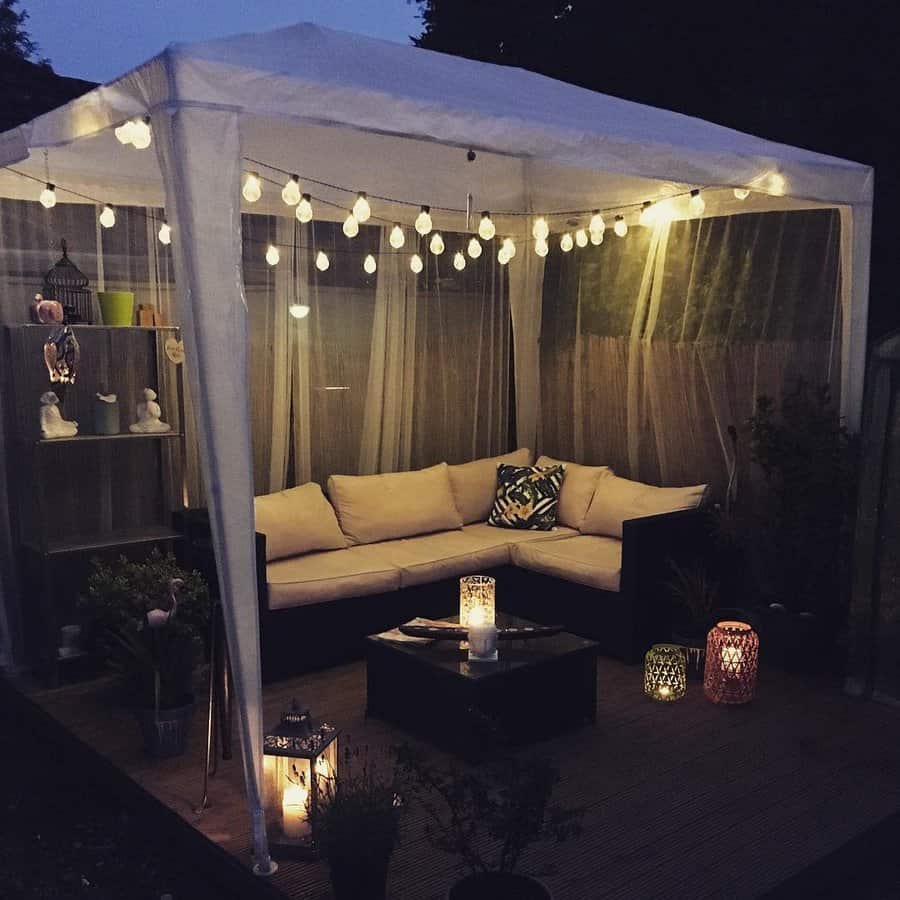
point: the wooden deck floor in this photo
(681, 800)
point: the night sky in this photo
(100, 39)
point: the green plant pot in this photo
(499, 886)
(165, 734)
(116, 308)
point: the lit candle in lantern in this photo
(294, 817)
(731, 661)
(732, 658)
(476, 592)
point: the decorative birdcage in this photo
(68, 285)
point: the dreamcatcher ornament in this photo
(61, 355)
(175, 351)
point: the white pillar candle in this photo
(294, 817)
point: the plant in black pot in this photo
(696, 596)
(149, 619)
(356, 825)
(489, 816)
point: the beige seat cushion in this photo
(584, 559)
(296, 521)
(617, 499)
(319, 577)
(399, 504)
(577, 489)
(475, 483)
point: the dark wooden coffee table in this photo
(537, 688)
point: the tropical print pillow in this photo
(527, 497)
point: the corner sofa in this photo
(380, 549)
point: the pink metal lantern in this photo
(732, 659)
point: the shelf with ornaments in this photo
(88, 438)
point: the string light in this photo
(351, 226)
(48, 196)
(273, 255)
(581, 237)
(621, 226)
(597, 224)
(361, 208)
(436, 246)
(741, 193)
(415, 263)
(108, 216)
(298, 310)
(141, 134)
(397, 238)
(648, 213)
(486, 229)
(369, 264)
(597, 237)
(252, 189)
(474, 248)
(459, 261)
(509, 246)
(502, 256)
(541, 247)
(165, 233)
(566, 242)
(540, 230)
(304, 209)
(290, 193)
(125, 132)
(322, 261)
(697, 204)
(423, 221)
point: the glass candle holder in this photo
(732, 660)
(665, 675)
(476, 600)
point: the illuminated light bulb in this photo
(459, 261)
(48, 196)
(125, 132)
(741, 193)
(474, 248)
(509, 246)
(436, 246)
(298, 310)
(165, 233)
(252, 189)
(304, 209)
(566, 242)
(369, 264)
(423, 221)
(415, 263)
(621, 226)
(361, 208)
(351, 226)
(108, 217)
(777, 184)
(596, 223)
(290, 193)
(697, 204)
(397, 238)
(648, 213)
(273, 255)
(541, 247)
(140, 136)
(597, 238)
(322, 261)
(502, 256)
(486, 229)
(581, 237)
(540, 230)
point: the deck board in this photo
(680, 800)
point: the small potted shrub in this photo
(696, 595)
(149, 619)
(356, 826)
(489, 816)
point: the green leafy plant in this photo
(489, 815)
(149, 619)
(695, 591)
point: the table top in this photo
(512, 655)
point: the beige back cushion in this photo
(577, 489)
(617, 499)
(475, 483)
(297, 521)
(399, 504)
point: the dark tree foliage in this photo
(14, 39)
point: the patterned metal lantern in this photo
(68, 285)
(665, 678)
(476, 600)
(300, 758)
(732, 659)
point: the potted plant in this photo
(696, 594)
(489, 816)
(356, 826)
(149, 619)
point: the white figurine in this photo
(53, 425)
(149, 416)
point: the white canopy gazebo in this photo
(397, 122)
